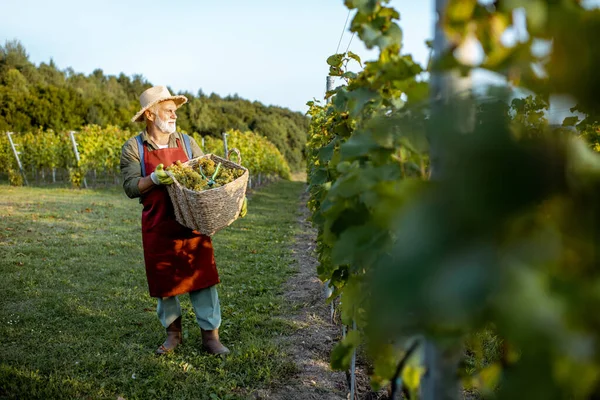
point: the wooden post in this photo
(72, 135)
(225, 144)
(16, 154)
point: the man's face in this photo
(166, 116)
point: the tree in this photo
(44, 96)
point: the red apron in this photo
(178, 259)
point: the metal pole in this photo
(329, 85)
(439, 84)
(72, 136)
(446, 87)
(441, 380)
(16, 153)
(353, 369)
(329, 291)
(225, 144)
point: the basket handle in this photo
(236, 151)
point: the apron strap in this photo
(187, 145)
(140, 144)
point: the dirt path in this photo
(311, 343)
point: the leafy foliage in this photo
(365, 153)
(499, 247)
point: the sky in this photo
(272, 51)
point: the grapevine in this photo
(260, 155)
(47, 151)
(497, 253)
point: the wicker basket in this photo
(210, 210)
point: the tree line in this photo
(45, 97)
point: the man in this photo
(178, 260)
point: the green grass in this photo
(76, 320)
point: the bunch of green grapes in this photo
(192, 178)
(188, 177)
(227, 175)
(224, 176)
(208, 166)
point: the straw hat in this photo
(153, 96)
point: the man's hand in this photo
(244, 210)
(160, 177)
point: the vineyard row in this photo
(93, 154)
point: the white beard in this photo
(164, 126)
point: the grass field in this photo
(76, 320)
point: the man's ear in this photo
(149, 115)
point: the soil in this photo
(315, 336)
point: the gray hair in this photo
(154, 110)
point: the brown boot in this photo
(211, 343)
(174, 338)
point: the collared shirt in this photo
(131, 167)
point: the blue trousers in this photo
(206, 307)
